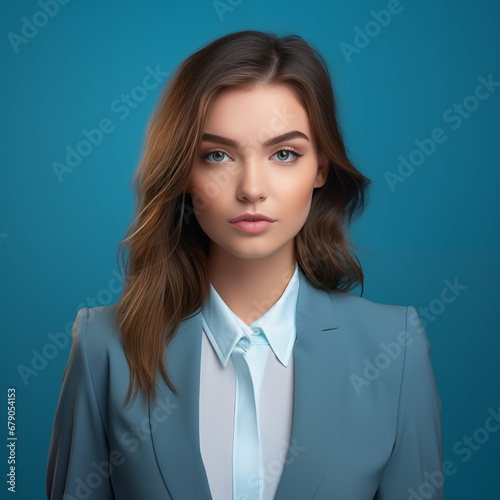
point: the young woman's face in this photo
(237, 171)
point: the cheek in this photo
(204, 194)
(210, 203)
(296, 196)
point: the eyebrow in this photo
(270, 142)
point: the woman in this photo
(236, 363)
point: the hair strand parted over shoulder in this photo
(166, 266)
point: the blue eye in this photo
(288, 152)
(283, 155)
(218, 152)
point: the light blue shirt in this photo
(224, 329)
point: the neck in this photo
(251, 286)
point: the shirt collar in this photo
(224, 329)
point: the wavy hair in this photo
(166, 275)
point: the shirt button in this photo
(256, 331)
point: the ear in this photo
(323, 169)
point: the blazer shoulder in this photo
(97, 337)
(347, 303)
(97, 325)
(373, 322)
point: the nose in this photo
(251, 181)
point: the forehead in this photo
(262, 110)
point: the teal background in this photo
(58, 240)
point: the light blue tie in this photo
(247, 458)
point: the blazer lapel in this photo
(319, 361)
(176, 440)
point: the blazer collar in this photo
(319, 361)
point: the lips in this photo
(252, 217)
(256, 226)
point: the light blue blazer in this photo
(366, 418)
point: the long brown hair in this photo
(166, 275)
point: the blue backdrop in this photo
(418, 86)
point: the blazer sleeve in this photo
(78, 464)
(415, 467)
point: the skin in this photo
(255, 178)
